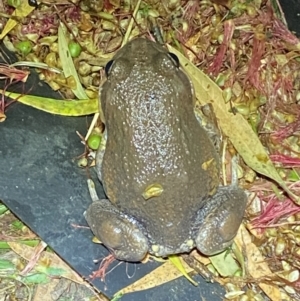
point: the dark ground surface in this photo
(291, 10)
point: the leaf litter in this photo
(36, 273)
(253, 61)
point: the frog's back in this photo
(155, 139)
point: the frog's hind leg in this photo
(118, 232)
(218, 221)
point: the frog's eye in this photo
(107, 67)
(174, 58)
(33, 3)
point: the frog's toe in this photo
(118, 233)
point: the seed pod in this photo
(54, 86)
(242, 109)
(48, 41)
(91, 94)
(153, 13)
(94, 139)
(82, 162)
(84, 68)
(75, 49)
(271, 232)
(215, 20)
(108, 25)
(24, 47)
(51, 59)
(71, 82)
(234, 294)
(54, 47)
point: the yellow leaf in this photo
(44, 291)
(256, 264)
(22, 11)
(56, 106)
(163, 274)
(178, 263)
(68, 64)
(234, 126)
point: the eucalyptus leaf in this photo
(56, 106)
(162, 274)
(176, 260)
(68, 64)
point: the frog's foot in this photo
(118, 232)
(218, 222)
(164, 251)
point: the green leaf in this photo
(3, 209)
(56, 106)
(176, 260)
(36, 279)
(48, 270)
(293, 175)
(18, 225)
(67, 63)
(224, 264)
(6, 265)
(239, 257)
(32, 243)
(117, 297)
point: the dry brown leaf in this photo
(54, 261)
(256, 264)
(43, 291)
(2, 117)
(200, 258)
(235, 126)
(163, 274)
(38, 250)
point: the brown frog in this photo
(158, 166)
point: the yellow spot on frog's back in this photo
(152, 190)
(190, 243)
(205, 165)
(155, 248)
